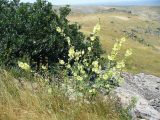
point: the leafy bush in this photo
(34, 31)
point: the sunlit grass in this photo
(144, 59)
(26, 102)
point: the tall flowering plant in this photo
(84, 72)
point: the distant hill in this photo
(149, 12)
(127, 2)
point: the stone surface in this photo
(146, 89)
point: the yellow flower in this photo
(100, 67)
(82, 52)
(107, 86)
(110, 73)
(80, 67)
(96, 29)
(92, 38)
(116, 47)
(120, 64)
(75, 74)
(20, 64)
(92, 91)
(24, 66)
(79, 78)
(95, 63)
(123, 40)
(77, 53)
(82, 71)
(44, 67)
(77, 58)
(58, 29)
(89, 49)
(128, 53)
(105, 76)
(84, 60)
(69, 40)
(71, 52)
(68, 66)
(96, 70)
(86, 64)
(111, 57)
(61, 62)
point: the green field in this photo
(141, 32)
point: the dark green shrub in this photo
(31, 30)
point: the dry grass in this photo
(22, 103)
(144, 59)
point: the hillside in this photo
(140, 28)
(51, 70)
(26, 99)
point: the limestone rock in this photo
(146, 88)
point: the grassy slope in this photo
(144, 59)
(26, 102)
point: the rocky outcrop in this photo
(146, 89)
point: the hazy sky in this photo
(73, 2)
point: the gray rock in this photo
(146, 88)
